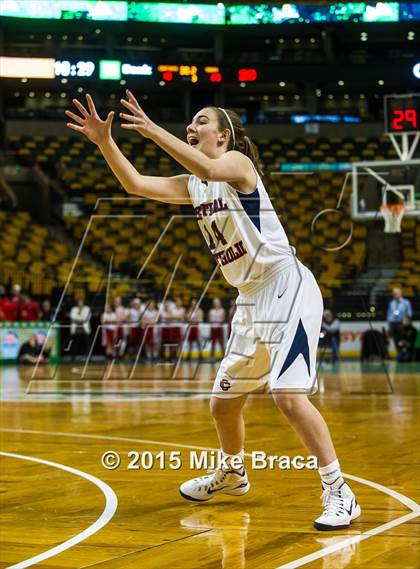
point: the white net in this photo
(393, 215)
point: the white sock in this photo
(331, 474)
(235, 461)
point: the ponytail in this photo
(251, 150)
(229, 120)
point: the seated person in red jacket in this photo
(32, 352)
(29, 309)
(8, 309)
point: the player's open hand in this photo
(90, 124)
(137, 120)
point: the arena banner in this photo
(351, 334)
(14, 334)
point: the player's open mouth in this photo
(192, 140)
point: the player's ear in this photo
(223, 136)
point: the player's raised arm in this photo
(229, 166)
(170, 190)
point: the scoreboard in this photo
(402, 113)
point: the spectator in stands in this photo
(397, 309)
(122, 315)
(16, 292)
(405, 338)
(29, 310)
(47, 313)
(165, 319)
(80, 316)
(194, 317)
(32, 352)
(135, 331)
(330, 332)
(177, 316)
(149, 319)
(8, 309)
(217, 317)
(109, 331)
(17, 300)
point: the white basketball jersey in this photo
(217, 315)
(134, 314)
(178, 313)
(242, 231)
(109, 320)
(121, 313)
(195, 315)
(165, 313)
(150, 316)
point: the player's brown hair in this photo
(242, 141)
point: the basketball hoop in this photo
(393, 214)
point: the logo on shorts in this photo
(225, 385)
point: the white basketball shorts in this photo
(274, 337)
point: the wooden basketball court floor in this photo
(61, 508)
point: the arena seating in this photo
(34, 258)
(408, 275)
(131, 241)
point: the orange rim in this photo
(393, 208)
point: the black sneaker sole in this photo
(191, 498)
(323, 527)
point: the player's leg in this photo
(235, 379)
(293, 377)
(340, 505)
(308, 423)
(228, 418)
(230, 476)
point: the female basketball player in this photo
(276, 326)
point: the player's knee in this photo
(218, 407)
(222, 408)
(290, 405)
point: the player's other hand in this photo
(137, 120)
(90, 124)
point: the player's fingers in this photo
(129, 126)
(75, 127)
(74, 117)
(130, 118)
(135, 110)
(91, 105)
(109, 117)
(81, 108)
(132, 98)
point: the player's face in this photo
(203, 132)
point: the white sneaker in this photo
(219, 481)
(340, 508)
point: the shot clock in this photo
(402, 113)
